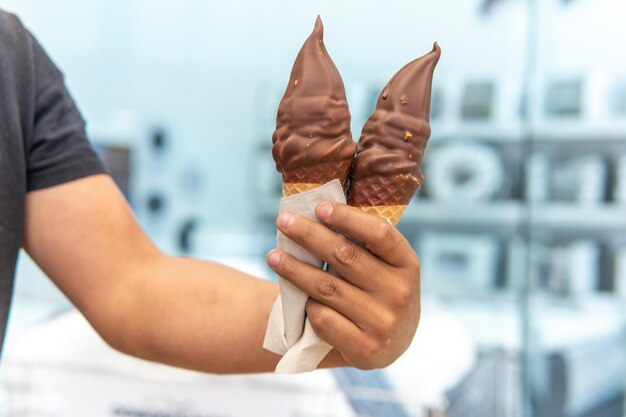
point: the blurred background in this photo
(520, 226)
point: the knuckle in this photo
(411, 261)
(401, 296)
(384, 230)
(327, 287)
(387, 238)
(387, 325)
(345, 252)
(414, 262)
(320, 320)
(312, 308)
(370, 349)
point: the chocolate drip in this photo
(313, 121)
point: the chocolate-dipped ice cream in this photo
(312, 140)
(386, 171)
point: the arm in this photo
(177, 311)
(204, 316)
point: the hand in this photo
(370, 313)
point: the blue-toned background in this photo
(520, 227)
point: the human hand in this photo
(370, 313)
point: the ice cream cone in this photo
(386, 171)
(312, 141)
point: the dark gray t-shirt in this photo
(42, 139)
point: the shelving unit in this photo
(488, 214)
(577, 131)
(511, 213)
(552, 133)
(582, 218)
(476, 131)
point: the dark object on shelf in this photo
(464, 172)
(575, 268)
(572, 268)
(618, 102)
(158, 140)
(487, 5)
(564, 98)
(537, 178)
(155, 203)
(582, 179)
(619, 272)
(185, 234)
(461, 262)
(478, 100)
(619, 193)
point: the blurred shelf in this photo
(484, 214)
(568, 216)
(482, 131)
(596, 303)
(505, 296)
(548, 132)
(580, 132)
(512, 213)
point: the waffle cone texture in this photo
(307, 178)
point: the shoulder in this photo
(12, 30)
(15, 41)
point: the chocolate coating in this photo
(313, 121)
(394, 137)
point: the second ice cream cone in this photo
(386, 171)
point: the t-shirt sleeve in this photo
(58, 150)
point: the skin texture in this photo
(208, 317)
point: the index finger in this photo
(375, 233)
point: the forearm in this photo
(199, 315)
(178, 311)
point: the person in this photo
(58, 203)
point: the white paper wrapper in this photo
(289, 332)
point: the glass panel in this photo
(575, 324)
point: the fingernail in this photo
(274, 258)
(324, 210)
(286, 220)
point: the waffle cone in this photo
(385, 196)
(291, 188)
(391, 213)
(381, 190)
(306, 178)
